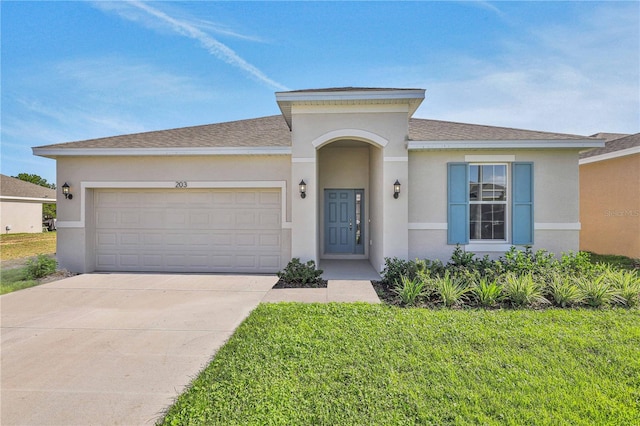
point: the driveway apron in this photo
(114, 348)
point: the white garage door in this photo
(188, 230)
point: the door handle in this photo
(350, 224)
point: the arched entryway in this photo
(347, 194)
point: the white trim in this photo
(510, 144)
(610, 155)
(356, 134)
(428, 226)
(488, 247)
(28, 199)
(342, 95)
(303, 160)
(84, 186)
(137, 152)
(349, 108)
(397, 159)
(570, 226)
(490, 158)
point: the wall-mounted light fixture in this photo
(65, 191)
(303, 189)
(396, 189)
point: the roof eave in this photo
(138, 152)
(504, 144)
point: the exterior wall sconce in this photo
(65, 191)
(396, 189)
(303, 189)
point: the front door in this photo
(344, 221)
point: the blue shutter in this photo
(522, 203)
(458, 203)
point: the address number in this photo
(181, 184)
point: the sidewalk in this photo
(336, 291)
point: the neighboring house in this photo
(610, 196)
(21, 205)
(316, 182)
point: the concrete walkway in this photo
(336, 291)
(107, 349)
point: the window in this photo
(482, 198)
(487, 201)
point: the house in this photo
(342, 173)
(610, 196)
(21, 205)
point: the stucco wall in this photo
(610, 206)
(22, 217)
(75, 238)
(556, 204)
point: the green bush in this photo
(410, 290)
(451, 289)
(563, 291)
(626, 285)
(40, 267)
(597, 291)
(523, 290)
(297, 272)
(487, 293)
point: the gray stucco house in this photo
(341, 173)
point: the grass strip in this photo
(378, 365)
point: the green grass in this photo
(15, 279)
(378, 365)
(621, 262)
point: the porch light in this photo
(303, 189)
(396, 189)
(65, 191)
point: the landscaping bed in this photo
(519, 279)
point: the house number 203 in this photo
(181, 184)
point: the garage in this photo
(188, 230)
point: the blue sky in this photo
(80, 70)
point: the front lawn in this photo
(374, 364)
(18, 246)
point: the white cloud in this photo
(192, 29)
(582, 77)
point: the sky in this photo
(81, 70)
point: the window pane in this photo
(475, 221)
(474, 178)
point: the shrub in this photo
(450, 289)
(597, 291)
(523, 290)
(563, 291)
(301, 273)
(487, 293)
(410, 290)
(394, 269)
(40, 267)
(627, 287)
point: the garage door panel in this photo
(221, 230)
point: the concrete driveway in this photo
(114, 348)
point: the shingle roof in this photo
(614, 145)
(12, 187)
(610, 136)
(257, 132)
(435, 130)
(272, 131)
